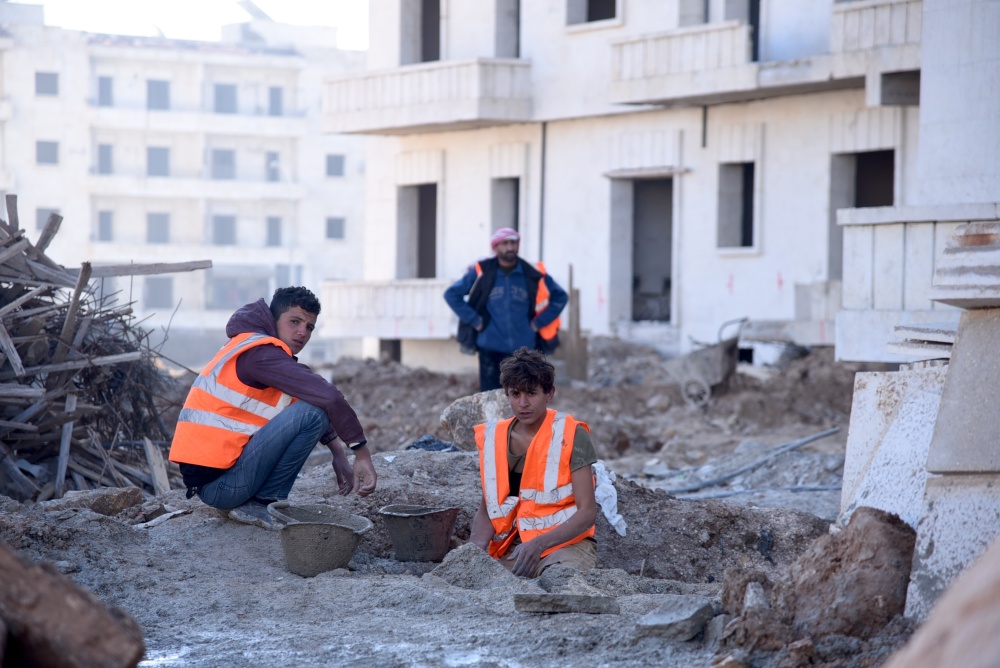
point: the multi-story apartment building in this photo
(687, 159)
(158, 150)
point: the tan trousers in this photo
(580, 556)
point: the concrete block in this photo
(679, 618)
(967, 433)
(892, 422)
(556, 603)
(961, 517)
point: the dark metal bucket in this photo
(318, 538)
(419, 533)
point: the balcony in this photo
(119, 185)
(449, 95)
(873, 44)
(891, 256)
(197, 122)
(401, 309)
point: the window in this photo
(42, 216)
(275, 101)
(273, 231)
(157, 94)
(225, 98)
(157, 161)
(46, 83)
(223, 164)
(334, 228)
(224, 230)
(47, 152)
(105, 165)
(421, 32)
(334, 165)
(105, 220)
(105, 92)
(158, 292)
(286, 275)
(588, 11)
(272, 168)
(736, 205)
(158, 228)
(232, 291)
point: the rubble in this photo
(81, 398)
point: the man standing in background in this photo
(511, 304)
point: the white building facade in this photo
(686, 158)
(157, 150)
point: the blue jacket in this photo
(508, 307)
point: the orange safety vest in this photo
(221, 412)
(546, 497)
(541, 301)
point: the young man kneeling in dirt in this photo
(538, 504)
(254, 414)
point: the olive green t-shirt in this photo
(583, 455)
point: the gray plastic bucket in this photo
(318, 538)
(419, 533)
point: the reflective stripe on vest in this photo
(218, 419)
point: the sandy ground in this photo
(210, 592)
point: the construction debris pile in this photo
(81, 397)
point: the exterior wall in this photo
(299, 192)
(712, 285)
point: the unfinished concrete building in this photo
(686, 159)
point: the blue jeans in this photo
(270, 460)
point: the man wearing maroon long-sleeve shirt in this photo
(255, 413)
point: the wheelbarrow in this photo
(705, 368)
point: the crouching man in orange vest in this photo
(538, 504)
(254, 414)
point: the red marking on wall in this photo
(731, 284)
(822, 331)
(781, 281)
(430, 327)
(600, 298)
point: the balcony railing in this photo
(860, 26)
(442, 95)
(695, 49)
(890, 259)
(400, 309)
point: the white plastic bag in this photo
(607, 496)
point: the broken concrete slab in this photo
(560, 603)
(892, 423)
(678, 618)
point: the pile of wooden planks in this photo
(82, 394)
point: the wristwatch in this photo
(360, 444)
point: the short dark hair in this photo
(286, 298)
(525, 370)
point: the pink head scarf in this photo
(503, 234)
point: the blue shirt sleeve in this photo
(557, 302)
(455, 296)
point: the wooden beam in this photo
(22, 485)
(12, 219)
(10, 351)
(109, 270)
(78, 364)
(64, 443)
(48, 232)
(7, 308)
(157, 468)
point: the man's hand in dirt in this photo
(364, 471)
(341, 468)
(526, 557)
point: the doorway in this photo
(652, 249)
